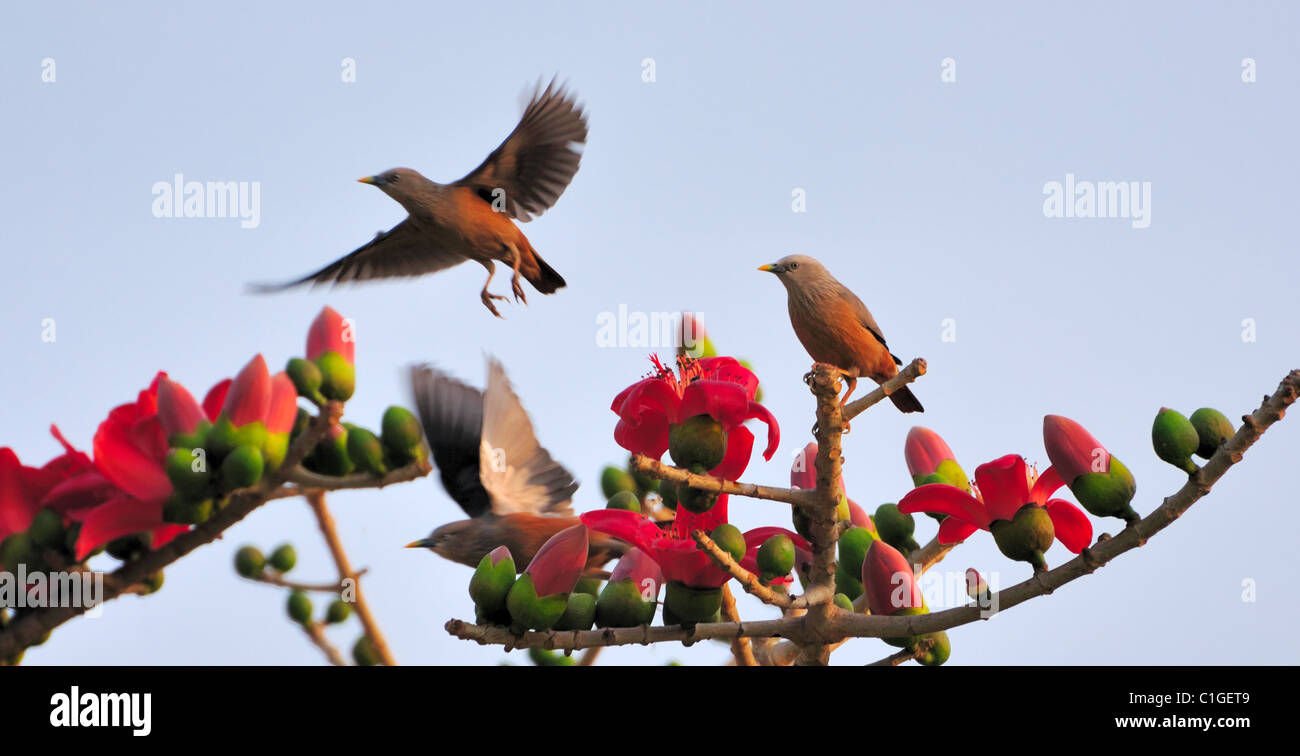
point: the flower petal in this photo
(284, 404)
(177, 410)
(955, 530)
(740, 446)
(942, 498)
(120, 455)
(331, 331)
(1047, 484)
(215, 398)
(249, 397)
(1073, 528)
(119, 517)
(924, 450)
(559, 563)
(1072, 449)
(1004, 486)
(633, 527)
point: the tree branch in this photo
(915, 369)
(740, 646)
(748, 580)
(621, 636)
(656, 469)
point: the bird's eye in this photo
(393, 178)
(794, 266)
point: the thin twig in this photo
(278, 580)
(588, 657)
(748, 580)
(656, 469)
(315, 632)
(326, 523)
(915, 369)
(894, 660)
(740, 647)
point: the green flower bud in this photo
(1212, 429)
(690, 605)
(188, 471)
(1107, 494)
(848, 585)
(299, 607)
(951, 473)
(249, 562)
(533, 612)
(939, 651)
(579, 612)
(776, 555)
(366, 450)
(330, 456)
(1175, 439)
(844, 602)
(401, 435)
(307, 379)
(853, 547)
(624, 500)
(153, 583)
(545, 658)
(283, 558)
(184, 511)
(300, 423)
(364, 652)
(589, 585)
(911, 640)
(241, 468)
(338, 611)
(621, 605)
(699, 440)
(730, 539)
(693, 499)
(338, 376)
(492, 580)
(18, 549)
(46, 530)
(1026, 536)
(221, 440)
(614, 481)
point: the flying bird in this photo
(836, 328)
(473, 218)
(491, 464)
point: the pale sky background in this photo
(923, 197)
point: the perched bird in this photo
(492, 466)
(470, 219)
(836, 328)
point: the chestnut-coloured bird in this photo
(836, 328)
(492, 466)
(471, 219)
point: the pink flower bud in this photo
(330, 331)
(888, 581)
(638, 567)
(249, 396)
(1072, 449)
(284, 404)
(803, 473)
(499, 555)
(560, 562)
(177, 410)
(924, 450)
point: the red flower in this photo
(23, 490)
(1001, 488)
(719, 387)
(331, 332)
(888, 581)
(639, 567)
(1073, 450)
(249, 396)
(559, 563)
(177, 410)
(673, 548)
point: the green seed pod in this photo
(644, 483)
(895, 527)
(241, 468)
(533, 612)
(330, 456)
(624, 500)
(364, 652)
(249, 562)
(1175, 440)
(338, 376)
(952, 474)
(588, 585)
(693, 499)
(366, 450)
(847, 584)
(912, 640)
(698, 440)
(401, 434)
(939, 651)
(184, 511)
(1212, 429)
(307, 379)
(730, 539)
(776, 555)
(579, 612)
(338, 611)
(221, 440)
(690, 605)
(844, 602)
(283, 558)
(621, 604)
(1026, 536)
(614, 481)
(544, 658)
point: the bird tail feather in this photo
(906, 401)
(545, 279)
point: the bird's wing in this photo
(402, 251)
(518, 473)
(452, 416)
(535, 164)
(864, 317)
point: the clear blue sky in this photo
(924, 197)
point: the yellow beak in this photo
(367, 180)
(423, 543)
(767, 268)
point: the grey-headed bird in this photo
(471, 219)
(491, 464)
(836, 328)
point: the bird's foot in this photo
(518, 289)
(487, 298)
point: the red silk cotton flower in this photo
(675, 551)
(1003, 488)
(718, 388)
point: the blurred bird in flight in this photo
(471, 219)
(491, 465)
(836, 328)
